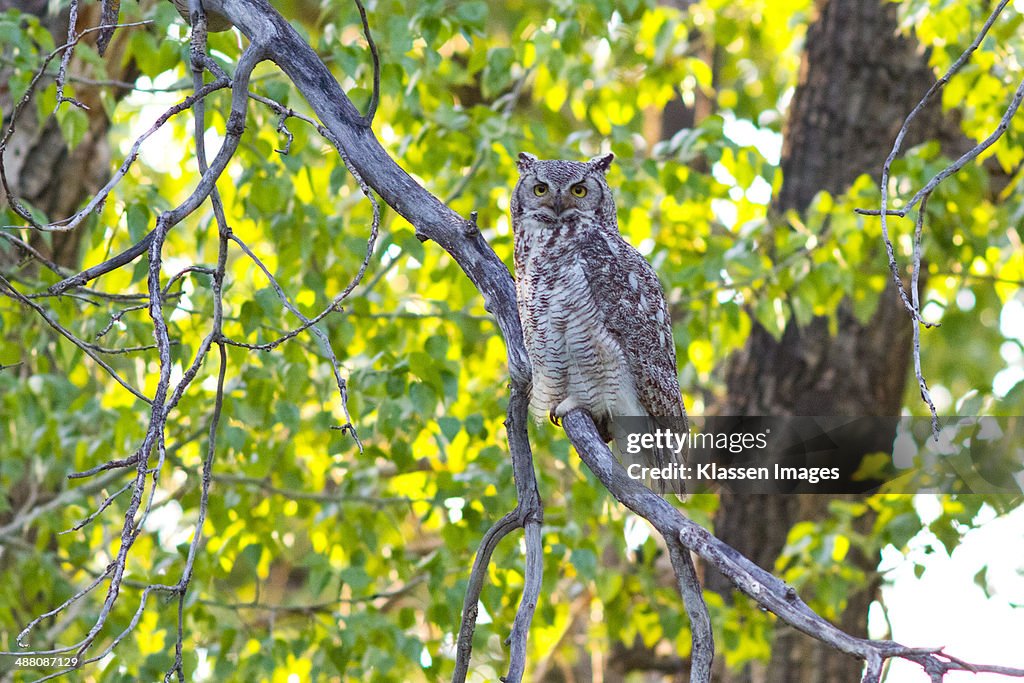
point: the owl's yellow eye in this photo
(579, 190)
(540, 189)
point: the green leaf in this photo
(497, 74)
(423, 399)
(437, 347)
(585, 562)
(137, 217)
(471, 13)
(73, 122)
(450, 427)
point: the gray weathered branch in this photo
(910, 302)
(759, 585)
(271, 37)
(432, 220)
(350, 132)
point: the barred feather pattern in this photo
(595, 321)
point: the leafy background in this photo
(322, 560)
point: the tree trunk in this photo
(41, 169)
(858, 81)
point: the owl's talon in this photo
(555, 420)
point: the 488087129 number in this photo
(45, 662)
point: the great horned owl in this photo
(594, 317)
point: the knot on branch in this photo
(470, 228)
(65, 285)
(236, 123)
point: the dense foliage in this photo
(324, 557)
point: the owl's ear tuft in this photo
(526, 161)
(602, 162)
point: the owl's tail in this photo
(646, 444)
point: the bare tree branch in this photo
(60, 501)
(528, 515)
(910, 302)
(15, 114)
(7, 289)
(371, 108)
(273, 38)
(160, 405)
(759, 585)
(62, 72)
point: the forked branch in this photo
(911, 301)
(759, 585)
(273, 38)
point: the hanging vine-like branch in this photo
(920, 199)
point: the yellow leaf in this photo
(701, 355)
(840, 546)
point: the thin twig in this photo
(57, 610)
(921, 383)
(15, 114)
(89, 349)
(310, 323)
(58, 502)
(371, 107)
(898, 145)
(121, 463)
(73, 221)
(116, 318)
(103, 506)
(1004, 124)
(62, 72)
(911, 303)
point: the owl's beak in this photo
(558, 205)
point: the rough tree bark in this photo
(858, 81)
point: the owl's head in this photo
(553, 191)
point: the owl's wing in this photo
(628, 295)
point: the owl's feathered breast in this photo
(595, 322)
